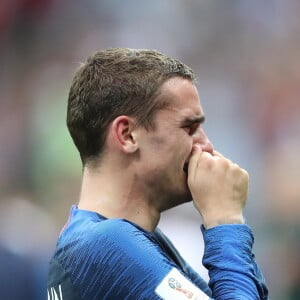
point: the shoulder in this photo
(98, 238)
(113, 231)
(103, 255)
(120, 227)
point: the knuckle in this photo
(206, 159)
(244, 173)
(224, 162)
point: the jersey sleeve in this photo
(181, 263)
(232, 269)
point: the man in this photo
(135, 118)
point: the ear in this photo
(122, 130)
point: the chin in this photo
(184, 197)
(176, 200)
(188, 198)
(177, 196)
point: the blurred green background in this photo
(246, 56)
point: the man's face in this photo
(165, 150)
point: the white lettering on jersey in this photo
(176, 287)
(53, 295)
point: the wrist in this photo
(210, 222)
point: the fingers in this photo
(199, 162)
(194, 160)
(199, 156)
(217, 154)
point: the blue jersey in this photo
(98, 258)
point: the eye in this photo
(191, 128)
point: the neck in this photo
(115, 194)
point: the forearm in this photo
(232, 270)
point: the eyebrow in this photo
(193, 120)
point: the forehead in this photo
(182, 97)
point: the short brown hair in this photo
(114, 82)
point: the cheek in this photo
(169, 150)
(187, 144)
(184, 149)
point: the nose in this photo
(201, 139)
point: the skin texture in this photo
(144, 172)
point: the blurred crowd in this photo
(246, 56)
